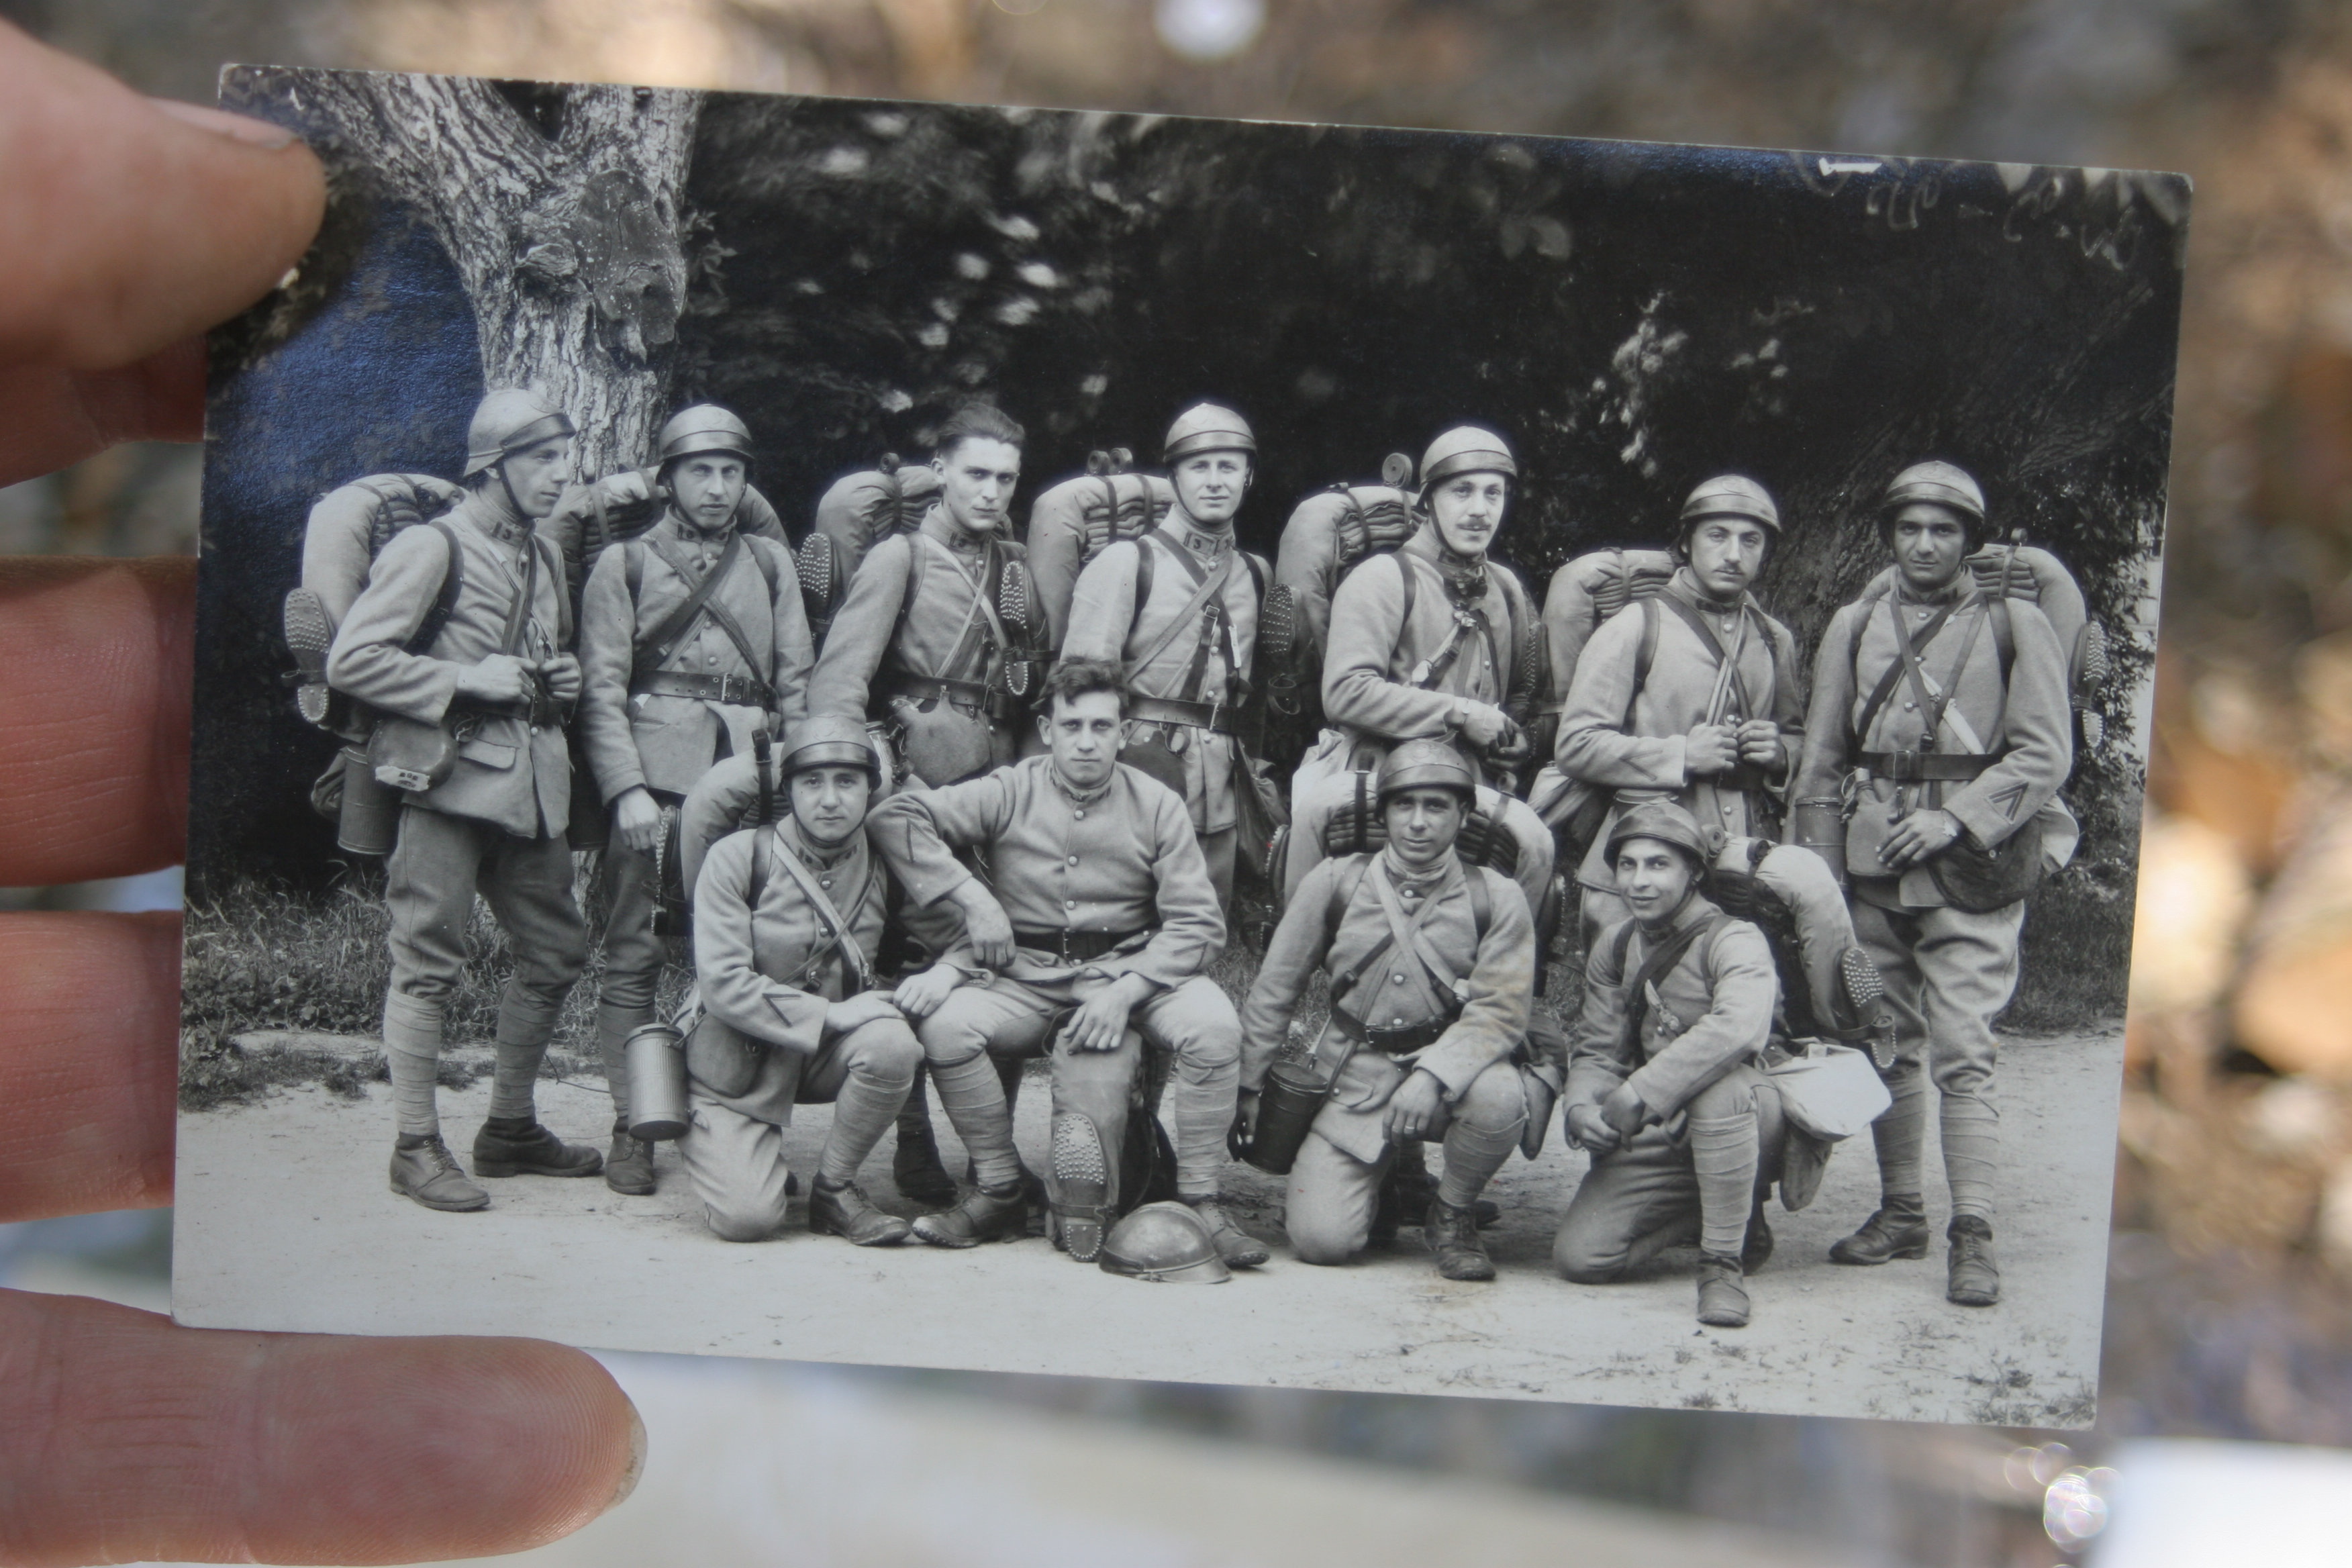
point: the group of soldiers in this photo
(996, 812)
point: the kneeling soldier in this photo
(458, 640)
(1107, 920)
(1663, 1087)
(1433, 972)
(787, 918)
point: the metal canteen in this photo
(656, 1069)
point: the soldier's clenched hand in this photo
(1760, 743)
(126, 228)
(856, 1012)
(498, 679)
(1413, 1108)
(1710, 748)
(1101, 1018)
(985, 924)
(920, 995)
(1625, 1111)
(561, 674)
(1589, 1131)
(636, 817)
(1483, 723)
(1920, 836)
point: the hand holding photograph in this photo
(1527, 751)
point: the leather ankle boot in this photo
(1974, 1279)
(841, 1209)
(1898, 1230)
(424, 1172)
(520, 1146)
(629, 1168)
(1237, 1246)
(1452, 1233)
(915, 1169)
(1722, 1294)
(1002, 1215)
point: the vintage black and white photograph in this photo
(892, 733)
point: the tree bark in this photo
(563, 226)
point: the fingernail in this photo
(235, 127)
(636, 1470)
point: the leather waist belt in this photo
(1076, 946)
(1925, 767)
(1398, 1041)
(1169, 711)
(539, 709)
(740, 690)
(962, 693)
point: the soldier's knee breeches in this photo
(885, 1053)
(1494, 1101)
(632, 953)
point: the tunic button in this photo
(1081, 814)
(1074, 860)
(1069, 904)
(1396, 1023)
(825, 882)
(1398, 978)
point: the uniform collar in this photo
(789, 830)
(1071, 791)
(1685, 585)
(1962, 584)
(1464, 574)
(1696, 907)
(489, 510)
(1418, 884)
(693, 532)
(940, 526)
(1207, 544)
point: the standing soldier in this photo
(691, 637)
(1431, 966)
(788, 918)
(458, 643)
(1664, 1089)
(921, 640)
(1939, 716)
(1177, 611)
(1692, 694)
(1100, 928)
(1426, 644)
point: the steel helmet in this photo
(1208, 428)
(1733, 495)
(1466, 450)
(1427, 764)
(1947, 485)
(1668, 824)
(508, 420)
(828, 740)
(705, 427)
(1166, 1242)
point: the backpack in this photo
(1076, 519)
(633, 568)
(1583, 593)
(1326, 535)
(858, 511)
(390, 503)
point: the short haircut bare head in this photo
(1075, 678)
(977, 421)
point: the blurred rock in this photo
(2335, 1225)
(2293, 1118)
(2194, 897)
(2291, 1003)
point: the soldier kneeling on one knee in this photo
(1664, 1084)
(1433, 972)
(788, 918)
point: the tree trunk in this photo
(560, 208)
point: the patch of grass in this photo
(2076, 954)
(2005, 1398)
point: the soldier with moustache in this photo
(1939, 731)
(920, 641)
(1664, 1089)
(691, 638)
(1096, 922)
(1177, 610)
(788, 921)
(1695, 696)
(494, 678)
(1423, 646)
(1431, 966)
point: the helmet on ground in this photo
(827, 741)
(1466, 450)
(507, 421)
(1732, 495)
(706, 427)
(1208, 428)
(1668, 824)
(1427, 764)
(1166, 1242)
(1947, 485)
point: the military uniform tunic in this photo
(871, 646)
(1335, 1185)
(1947, 971)
(1121, 860)
(1632, 740)
(1708, 1019)
(770, 973)
(590, 519)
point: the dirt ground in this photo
(284, 1222)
